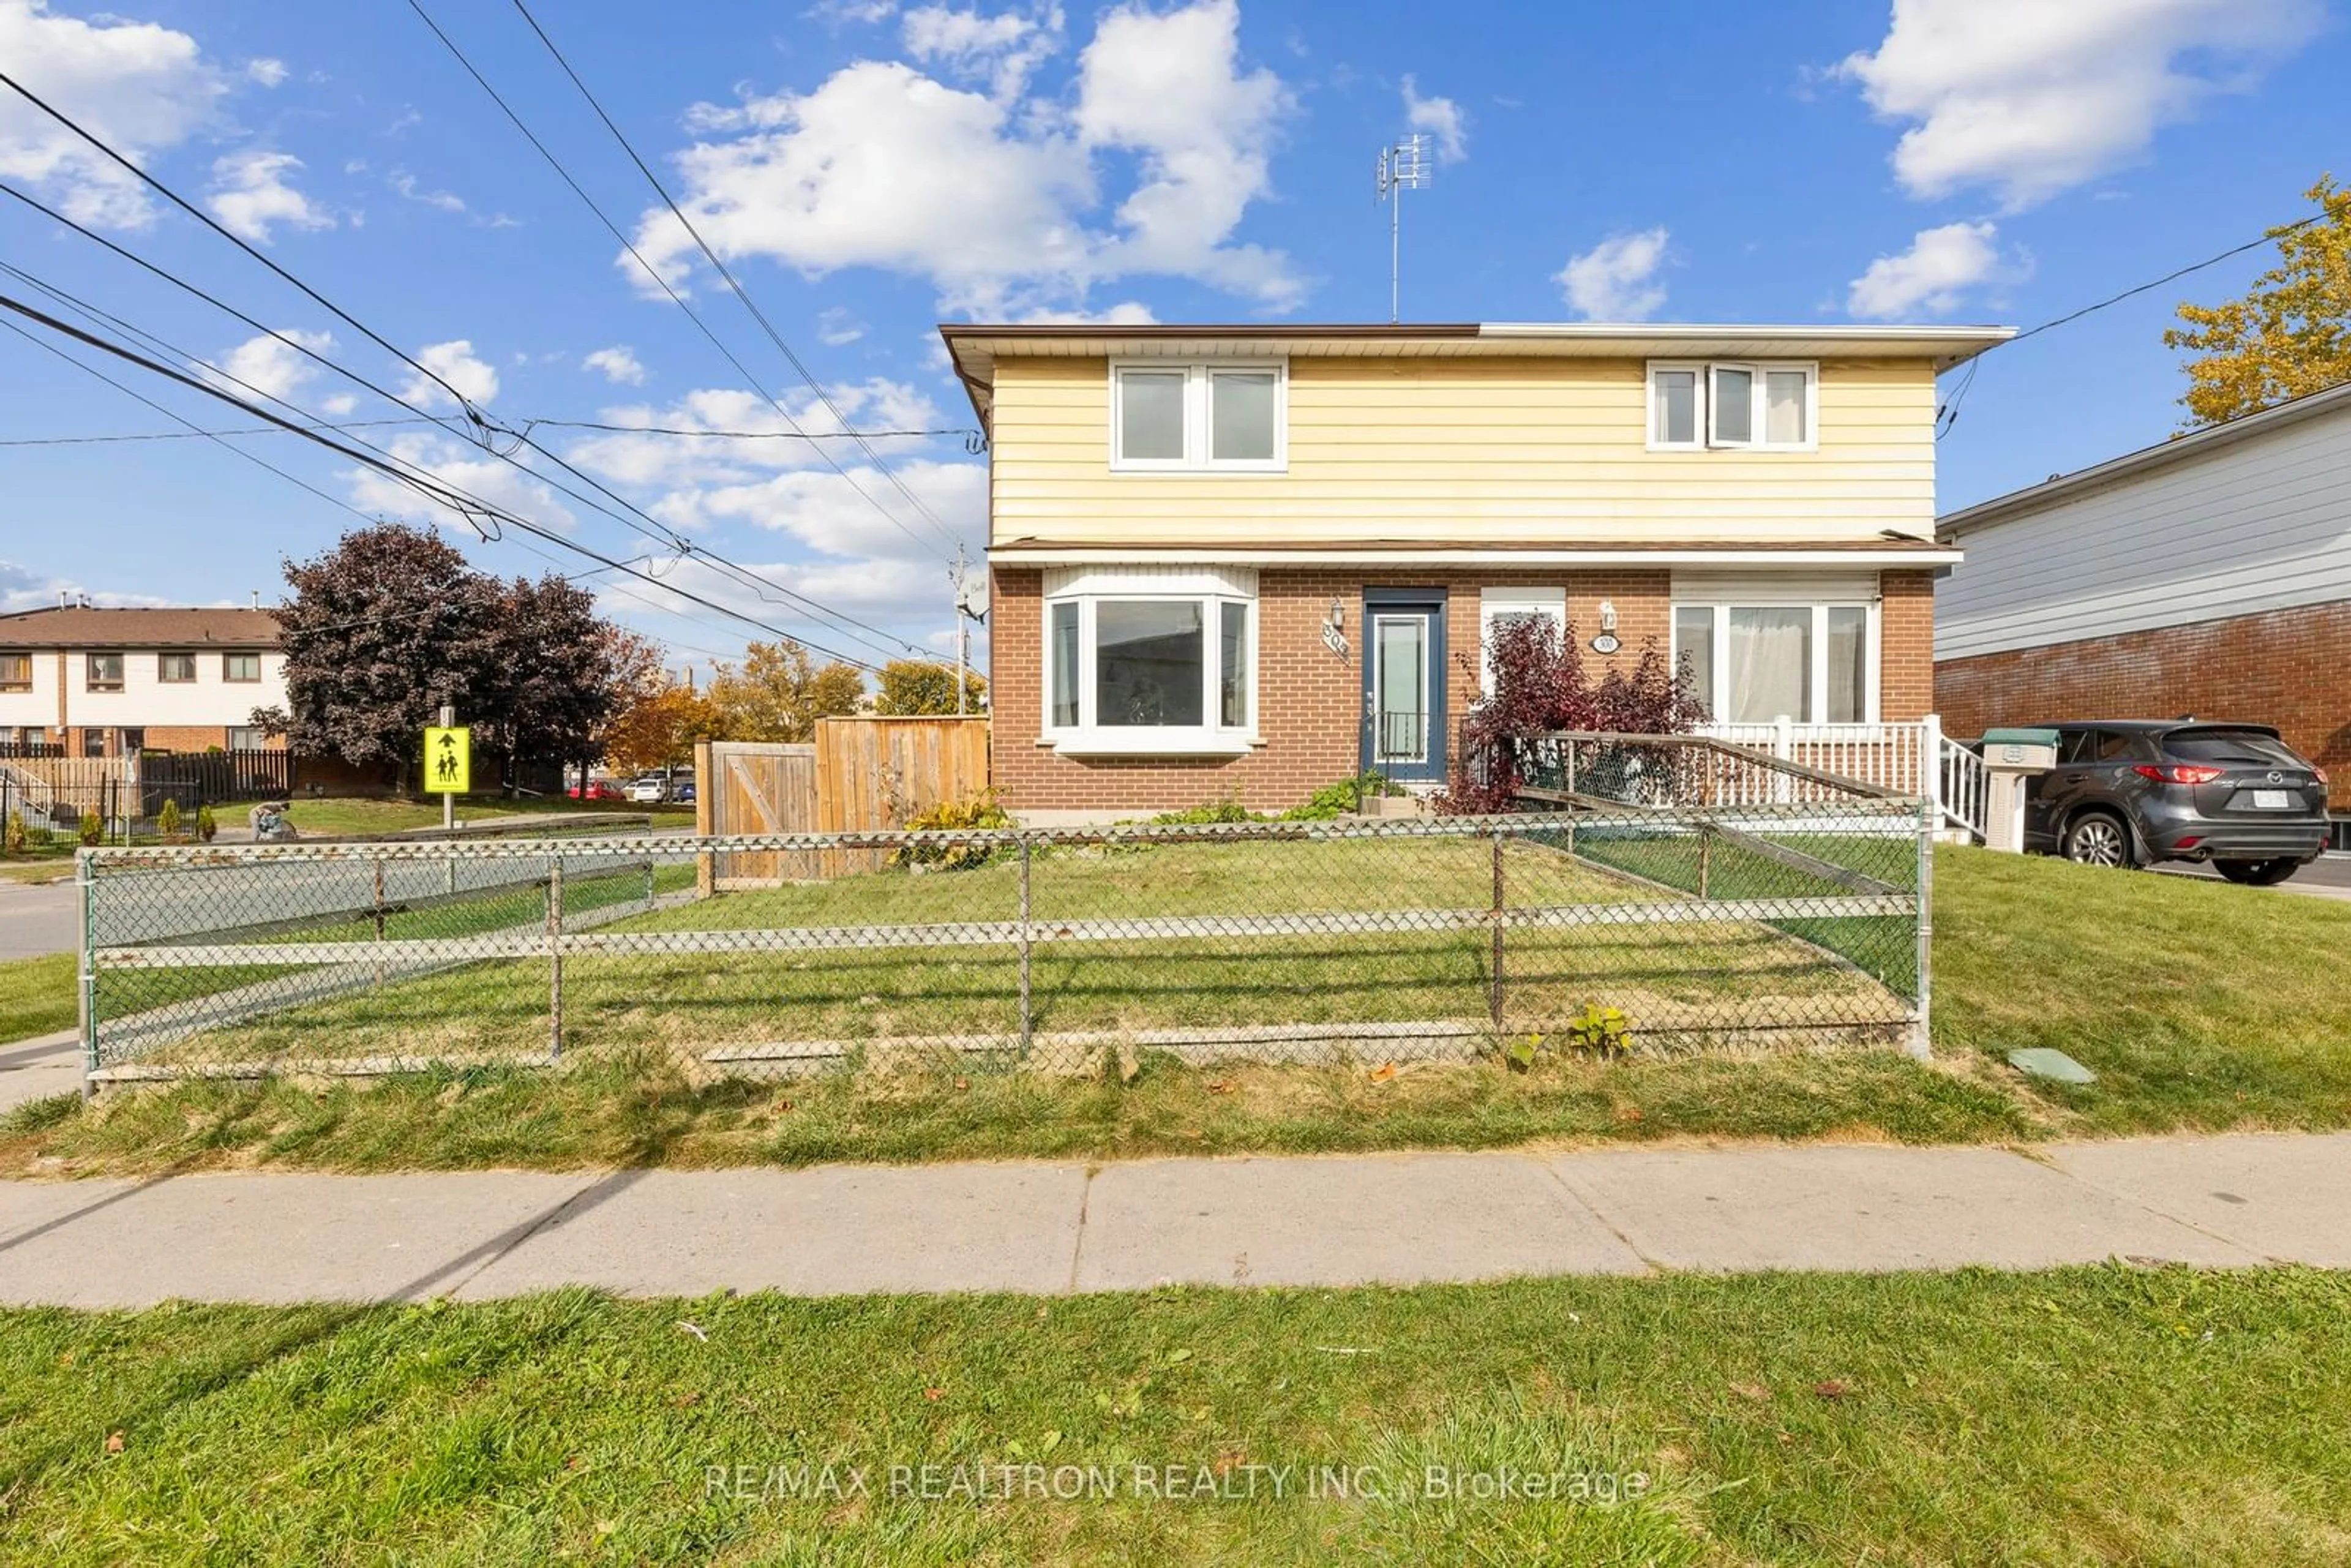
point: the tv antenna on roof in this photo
(1403, 167)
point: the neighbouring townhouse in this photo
(2209, 575)
(1247, 560)
(84, 681)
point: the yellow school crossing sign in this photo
(448, 761)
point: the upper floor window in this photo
(15, 672)
(1200, 417)
(103, 673)
(1743, 406)
(241, 667)
(175, 669)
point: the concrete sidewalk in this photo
(1053, 1228)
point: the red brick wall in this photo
(2291, 668)
(1310, 699)
(1905, 645)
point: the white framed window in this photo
(1206, 417)
(1767, 406)
(175, 669)
(1499, 607)
(1754, 662)
(1150, 662)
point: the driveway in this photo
(2328, 877)
(38, 918)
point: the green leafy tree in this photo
(779, 693)
(2290, 335)
(925, 686)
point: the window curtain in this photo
(1771, 663)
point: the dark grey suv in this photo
(2128, 792)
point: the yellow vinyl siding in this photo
(1469, 450)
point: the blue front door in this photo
(1404, 685)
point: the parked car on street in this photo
(598, 789)
(2128, 792)
(648, 789)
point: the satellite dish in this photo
(973, 599)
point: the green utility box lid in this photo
(2020, 738)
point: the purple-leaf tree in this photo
(1540, 687)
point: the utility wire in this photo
(1949, 414)
(736, 287)
(650, 527)
(564, 173)
(428, 419)
(429, 485)
(204, 218)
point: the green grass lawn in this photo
(337, 815)
(2104, 1414)
(37, 995)
(2201, 1005)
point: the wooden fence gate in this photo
(860, 773)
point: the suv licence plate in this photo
(2272, 800)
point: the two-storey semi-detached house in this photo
(1248, 560)
(84, 681)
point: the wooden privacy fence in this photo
(859, 775)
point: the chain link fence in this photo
(1701, 923)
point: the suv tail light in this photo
(2318, 777)
(2178, 772)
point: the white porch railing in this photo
(1912, 759)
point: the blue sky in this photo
(868, 168)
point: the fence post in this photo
(1568, 788)
(1930, 765)
(1028, 1018)
(1922, 1044)
(1494, 983)
(1704, 857)
(85, 983)
(1784, 747)
(705, 785)
(555, 957)
(378, 858)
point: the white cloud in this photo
(835, 326)
(844, 13)
(881, 166)
(140, 88)
(453, 362)
(270, 366)
(684, 462)
(1941, 265)
(2028, 98)
(250, 192)
(1002, 50)
(1616, 280)
(462, 466)
(405, 183)
(1440, 117)
(339, 405)
(22, 587)
(825, 512)
(619, 364)
(265, 72)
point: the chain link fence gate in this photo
(1709, 905)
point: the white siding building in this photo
(93, 682)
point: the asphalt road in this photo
(2328, 877)
(36, 919)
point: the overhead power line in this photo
(645, 524)
(206, 219)
(619, 236)
(428, 419)
(1949, 414)
(428, 486)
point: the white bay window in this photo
(1759, 657)
(1147, 661)
(1762, 407)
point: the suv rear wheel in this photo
(2097, 838)
(2257, 873)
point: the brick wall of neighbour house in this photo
(2289, 668)
(1310, 699)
